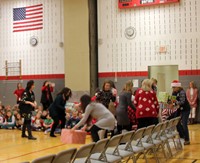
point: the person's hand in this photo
(84, 128)
(74, 128)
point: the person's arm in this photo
(182, 98)
(13, 120)
(195, 96)
(136, 99)
(85, 117)
(129, 101)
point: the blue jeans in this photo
(182, 126)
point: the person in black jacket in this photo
(183, 111)
(57, 109)
(46, 98)
(26, 106)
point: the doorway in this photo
(165, 75)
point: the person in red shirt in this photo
(46, 98)
(18, 92)
(146, 103)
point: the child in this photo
(9, 121)
(73, 120)
(48, 122)
(19, 121)
(37, 122)
(169, 112)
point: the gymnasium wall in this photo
(45, 61)
(130, 40)
(162, 35)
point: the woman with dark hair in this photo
(104, 118)
(46, 98)
(26, 106)
(57, 109)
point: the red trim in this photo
(122, 74)
(28, 77)
(143, 73)
(189, 72)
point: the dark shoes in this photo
(24, 136)
(52, 135)
(32, 138)
(187, 143)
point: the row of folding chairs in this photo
(124, 147)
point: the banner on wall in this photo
(28, 18)
(140, 3)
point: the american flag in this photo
(28, 18)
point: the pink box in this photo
(73, 137)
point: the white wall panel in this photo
(45, 58)
(174, 26)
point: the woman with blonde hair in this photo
(192, 96)
(146, 103)
(123, 122)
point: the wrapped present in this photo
(73, 137)
(163, 97)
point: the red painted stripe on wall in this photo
(143, 73)
(29, 77)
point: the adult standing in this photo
(46, 98)
(146, 103)
(26, 106)
(125, 101)
(192, 96)
(18, 92)
(107, 94)
(57, 109)
(184, 110)
(104, 118)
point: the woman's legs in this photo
(94, 133)
(55, 124)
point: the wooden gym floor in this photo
(14, 149)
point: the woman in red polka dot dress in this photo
(146, 103)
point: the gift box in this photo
(73, 137)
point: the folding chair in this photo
(172, 133)
(110, 152)
(65, 156)
(147, 142)
(123, 148)
(83, 153)
(44, 159)
(135, 145)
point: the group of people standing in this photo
(99, 111)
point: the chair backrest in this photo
(176, 121)
(156, 130)
(147, 133)
(127, 137)
(84, 151)
(44, 159)
(138, 134)
(65, 156)
(100, 146)
(114, 141)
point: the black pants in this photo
(27, 124)
(56, 120)
(144, 122)
(94, 133)
(123, 127)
